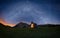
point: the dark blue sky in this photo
(38, 11)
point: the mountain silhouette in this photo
(4, 27)
(49, 25)
(22, 25)
(1, 25)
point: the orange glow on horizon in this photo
(5, 23)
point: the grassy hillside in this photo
(40, 32)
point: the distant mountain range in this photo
(25, 25)
(1, 25)
(22, 25)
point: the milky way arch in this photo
(27, 12)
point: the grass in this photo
(41, 32)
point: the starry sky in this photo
(38, 11)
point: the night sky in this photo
(38, 11)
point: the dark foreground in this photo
(40, 32)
